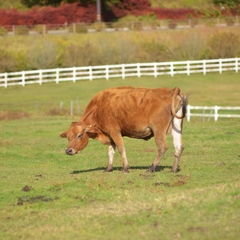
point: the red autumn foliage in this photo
(77, 12)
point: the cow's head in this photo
(77, 136)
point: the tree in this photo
(229, 3)
(55, 3)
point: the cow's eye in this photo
(79, 135)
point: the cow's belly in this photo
(145, 133)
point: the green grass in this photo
(45, 194)
(209, 90)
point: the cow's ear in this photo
(63, 135)
(92, 131)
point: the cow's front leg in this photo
(162, 148)
(118, 140)
(111, 151)
(177, 141)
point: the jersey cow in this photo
(140, 113)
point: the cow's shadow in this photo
(144, 168)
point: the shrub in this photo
(21, 30)
(98, 26)
(172, 24)
(229, 21)
(13, 115)
(154, 51)
(79, 55)
(7, 62)
(42, 55)
(224, 45)
(3, 31)
(79, 28)
(190, 47)
(58, 112)
(40, 29)
(230, 3)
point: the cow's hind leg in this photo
(111, 151)
(160, 140)
(177, 141)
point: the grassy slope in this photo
(181, 3)
(202, 88)
(71, 197)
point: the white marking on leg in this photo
(177, 139)
(177, 131)
(111, 151)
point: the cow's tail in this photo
(183, 103)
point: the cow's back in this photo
(129, 107)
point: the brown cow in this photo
(140, 113)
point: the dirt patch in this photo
(58, 112)
(165, 184)
(6, 143)
(147, 175)
(13, 115)
(30, 200)
(26, 188)
(38, 176)
(222, 164)
(197, 229)
(180, 181)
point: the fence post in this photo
(74, 28)
(57, 76)
(44, 29)
(216, 113)
(236, 63)
(74, 74)
(155, 69)
(188, 67)
(40, 77)
(138, 70)
(5, 80)
(204, 67)
(171, 69)
(123, 71)
(220, 65)
(188, 113)
(90, 73)
(107, 72)
(23, 78)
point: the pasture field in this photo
(45, 194)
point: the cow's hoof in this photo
(108, 170)
(151, 169)
(174, 170)
(125, 170)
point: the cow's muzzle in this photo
(70, 151)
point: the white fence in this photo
(120, 70)
(212, 112)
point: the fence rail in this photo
(164, 24)
(212, 112)
(118, 71)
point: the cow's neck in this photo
(88, 117)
